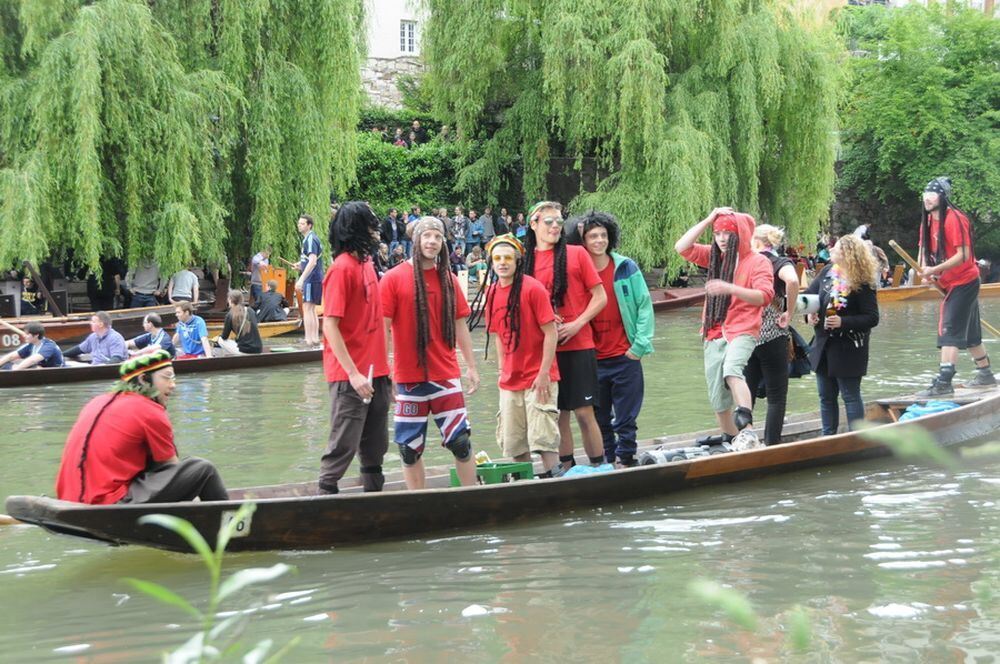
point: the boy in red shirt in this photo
(946, 257)
(518, 312)
(577, 295)
(426, 312)
(740, 284)
(121, 448)
(354, 356)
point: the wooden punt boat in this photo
(665, 299)
(269, 358)
(266, 330)
(924, 292)
(293, 517)
(75, 327)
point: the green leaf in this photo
(184, 529)
(733, 604)
(799, 630)
(164, 595)
(912, 442)
(284, 650)
(246, 577)
(259, 652)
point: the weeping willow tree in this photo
(177, 130)
(684, 105)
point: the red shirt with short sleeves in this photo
(131, 432)
(399, 304)
(351, 293)
(956, 234)
(520, 365)
(609, 329)
(581, 276)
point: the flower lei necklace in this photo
(839, 288)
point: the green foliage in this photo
(914, 443)
(209, 642)
(685, 104)
(391, 176)
(924, 100)
(179, 130)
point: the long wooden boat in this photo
(271, 357)
(75, 327)
(266, 330)
(665, 299)
(294, 517)
(925, 292)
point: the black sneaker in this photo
(938, 389)
(982, 379)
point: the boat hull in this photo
(926, 293)
(38, 377)
(75, 327)
(666, 299)
(292, 517)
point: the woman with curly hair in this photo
(848, 310)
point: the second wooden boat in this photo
(665, 299)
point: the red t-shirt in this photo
(609, 329)
(520, 365)
(130, 433)
(956, 234)
(581, 276)
(399, 303)
(350, 293)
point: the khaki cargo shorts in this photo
(525, 425)
(725, 358)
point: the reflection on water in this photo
(886, 559)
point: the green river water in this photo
(891, 561)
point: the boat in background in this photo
(666, 299)
(74, 328)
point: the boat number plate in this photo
(9, 340)
(242, 526)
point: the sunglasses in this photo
(502, 258)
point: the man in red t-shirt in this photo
(518, 312)
(577, 295)
(121, 448)
(623, 334)
(354, 356)
(946, 256)
(426, 315)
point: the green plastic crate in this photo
(495, 473)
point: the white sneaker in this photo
(746, 440)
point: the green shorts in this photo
(725, 358)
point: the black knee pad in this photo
(409, 455)
(461, 447)
(742, 418)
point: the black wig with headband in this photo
(942, 187)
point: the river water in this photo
(888, 561)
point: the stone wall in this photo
(379, 76)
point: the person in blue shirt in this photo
(310, 281)
(37, 351)
(192, 333)
(104, 345)
(153, 340)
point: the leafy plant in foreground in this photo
(215, 641)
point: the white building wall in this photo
(393, 48)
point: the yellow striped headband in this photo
(141, 364)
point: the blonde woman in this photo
(769, 361)
(848, 310)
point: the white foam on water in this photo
(905, 498)
(894, 611)
(475, 610)
(280, 597)
(913, 564)
(690, 525)
(316, 617)
(28, 568)
(72, 650)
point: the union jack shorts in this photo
(415, 401)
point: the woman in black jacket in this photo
(848, 310)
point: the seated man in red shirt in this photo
(946, 257)
(121, 449)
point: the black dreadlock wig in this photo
(559, 278)
(576, 228)
(447, 303)
(513, 312)
(937, 256)
(351, 229)
(720, 266)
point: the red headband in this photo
(725, 224)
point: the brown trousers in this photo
(358, 428)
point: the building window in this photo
(408, 36)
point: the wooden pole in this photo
(13, 328)
(56, 311)
(912, 263)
